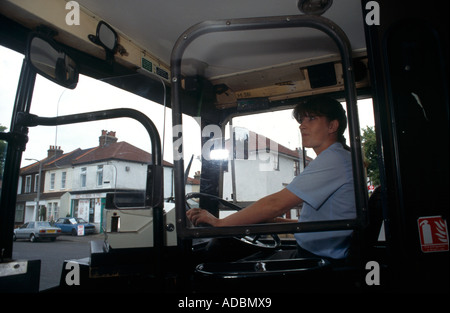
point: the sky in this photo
(51, 100)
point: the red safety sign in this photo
(433, 234)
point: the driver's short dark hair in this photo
(323, 106)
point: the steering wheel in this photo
(251, 240)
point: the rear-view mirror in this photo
(50, 61)
(106, 36)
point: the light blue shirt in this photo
(326, 187)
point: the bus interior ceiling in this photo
(226, 68)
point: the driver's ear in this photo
(333, 126)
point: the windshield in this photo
(77, 165)
(80, 164)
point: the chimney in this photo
(54, 151)
(107, 138)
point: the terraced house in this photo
(76, 183)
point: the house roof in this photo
(53, 161)
(254, 140)
(114, 151)
(34, 168)
(118, 151)
(65, 159)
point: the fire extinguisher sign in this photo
(433, 234)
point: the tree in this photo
(371, 156)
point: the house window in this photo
(54, 212)
(63, 180)
(36, 182)
(28, 184)
(52, 181)
(276, 161)
(20, 213)
(83, 177)
(99, 175)
(296, 168)
(91, 210)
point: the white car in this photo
(36, 231)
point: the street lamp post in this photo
(36, 214)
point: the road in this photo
(53, 254)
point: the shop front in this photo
(89, 207)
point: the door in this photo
(408, 59)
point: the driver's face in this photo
(315, 131)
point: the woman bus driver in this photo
(325, 187)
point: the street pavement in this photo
(53, 255)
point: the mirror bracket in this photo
(46, 31)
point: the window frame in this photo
(28, 184)
(83, 177)
(184, 230)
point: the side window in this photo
(265, 149)
(267, 153)
(10, 66)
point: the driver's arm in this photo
(263, 210)
(282, 220)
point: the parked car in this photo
(70, 225)
(36, 231)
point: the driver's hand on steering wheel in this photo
(199, 216)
